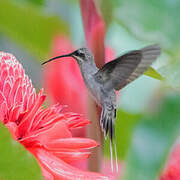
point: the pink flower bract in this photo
(45, 132)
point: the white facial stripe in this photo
(78, 58)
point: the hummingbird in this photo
(113, 76)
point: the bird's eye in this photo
(81, 54)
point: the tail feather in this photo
(107, 121)
(108, 116)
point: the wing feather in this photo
(126, 68)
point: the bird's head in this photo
(81, 55)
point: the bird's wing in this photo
(126, 68)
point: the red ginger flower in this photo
(45, 132)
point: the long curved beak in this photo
(57, 57)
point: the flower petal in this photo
(57, 131)
(27, 121)
(61, 170)
(14, 113)
(75, 120)
(51, 119)
(71, 143)
(46, 174)
(43, 113)
(68, 157)
(48, 134)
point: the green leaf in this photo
(124, 126)
(153, 73)
(16, 163)
(152, 141)
(29, 26)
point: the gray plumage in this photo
(114, 75)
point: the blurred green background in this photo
(148, 120)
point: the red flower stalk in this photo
(45, 132)
(94, 29)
